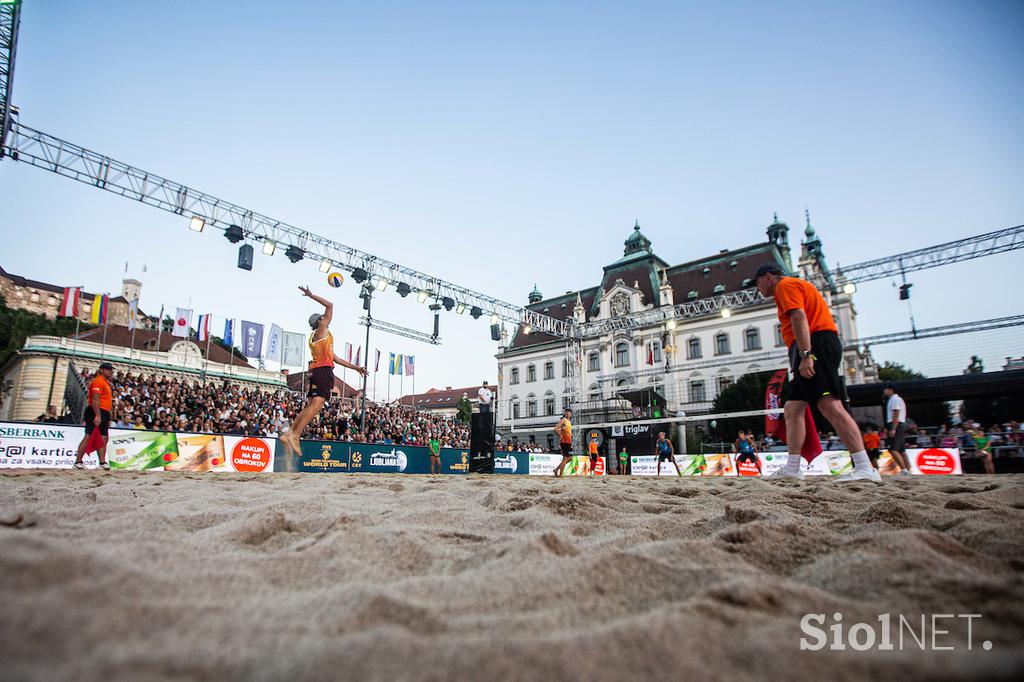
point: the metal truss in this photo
(399, 330)
(683, 311)
(934, 256)
(767, 357)
(72, 161)
(947, 330)
(10, 17)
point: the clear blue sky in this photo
(503, 146)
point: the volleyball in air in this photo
(335, 279)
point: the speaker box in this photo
(495, 333)
(481, 443)
(245, 256)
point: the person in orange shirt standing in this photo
(872, 443)
(321, 372)
(815, 361)
(97, 414)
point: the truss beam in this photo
(398, 330)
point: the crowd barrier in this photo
(31, 445)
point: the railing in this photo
(153, 360)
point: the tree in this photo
(167, 324)
(17, 325)
(464, 413)
(894, 371)
(746, 394)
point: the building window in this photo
(697, 393)
(531, 373)
(693, 349)
(622, 354)
(565, 368)
(722, 344)
(549, 405)
(724, 382)
(515, 409)
(549, 370)
(565, 403)
(752, 339)
(515, 375)
(531, 407)
(594, 392)
(551, 443)
(594, 362)
(719, 288)
(778, 335)
(654, 351)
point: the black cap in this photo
(890, 386)
(767, 269)
(106, 365)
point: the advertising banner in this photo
(317, 456)
(452, 461)
(747, 464)
(718, 465)
(199, 452)
(512, 463)
(543, 464)
(647, 465)
(141, 450)
(41, 446)
(250, 454)
(935, 461)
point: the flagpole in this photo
(159, 329)
(376, 367)
(135, 323)
(414, 383)
(206, 368)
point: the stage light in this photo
(671, 324)
(527, 329)
(404, 289)
(494, 318)
(849, 288)
(268, 247)
(359, 275)
(294, 253)
(475, 312)
(325, 265)
(435, 307)
(448, 303)
(726, 313)
(196, 224)
(461, 309)
(422, 296)
(381, 284)
(234, 234)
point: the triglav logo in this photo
(937, 632)
(396, 458)
(637, 429)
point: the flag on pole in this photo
(376, 364)
(203, 327)
(650, 355)
(274, 343)
(359, 355)
(291, 349)
(612, 349)
(182, 320)
(348, 352)
(69, 306)
(399, 361)
(99, 309)
(252, 339)
(133, 314)
(410, 365)
(229, 328)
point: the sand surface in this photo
(305, 576)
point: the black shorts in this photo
(896, 443)
(666, 457)
(321, 382)
(593, 458)
(90, 414)
(566, 449)
(746, 457)
(873, 454)
(827, 379)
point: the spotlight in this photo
(381, 283)
(234, 234)
(905, 292)
(527, 329)
(325, 265)
(494, 318)
(196, 224)
(422, 296)
(435, 307)
(461, 309)
(294, 254)
(475, 312)
(726, 313)
(448, 303)
(404, 289)
(359, 275)
(671, 324)
(849, 288)
(268, 247)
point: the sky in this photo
(500, 147)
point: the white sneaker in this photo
(860, 475)
(784, 473)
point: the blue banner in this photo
(339, 456)
(252, 339)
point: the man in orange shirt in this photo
(815, 361)
(872, 443)
(97, 414)
(321, 372)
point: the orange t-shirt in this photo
(872, 441)
(593, 448)
(322, 351)
(565, 433)
(792, 293)
(99, 386)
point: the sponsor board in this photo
(250, 454)
(41, 446)
(647, 465)
(773, 461)
(452, 461)
(199, 452)
(511, 463)
(132, 450)
(749, 465)
(935, 461)
(544, 463)
(315, 456)
(717, 465)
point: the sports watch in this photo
(804, 354)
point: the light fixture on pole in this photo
(849, 288)
(381, 283)
(325, 265)
(234, 234)
(422, 296)
(476, 312)
(268, 247)
(527, 329)
(494, 318)
(359, 275)
(460, 308)
(196, 224)
(670, 325)
(403, 289)
(294, 253)
(726, 313)
(448, 302)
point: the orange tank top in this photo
(322, 351)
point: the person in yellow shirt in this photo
(564, 431)
(321, 372)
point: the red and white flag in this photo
(348, 352)
(182, 321)
(203, 328)
(650, 355)
(69, 306)
(359, 355)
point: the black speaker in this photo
(437, 324)
(495, 332)
(481, 443)
(245, 256)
